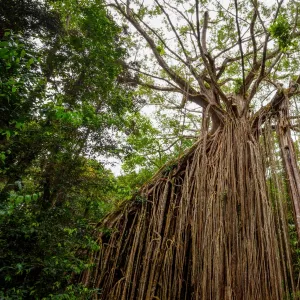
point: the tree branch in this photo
(240, 45)
(231, 60)
(273, 106)
(253, 20)
(151, 86)
(150, 75)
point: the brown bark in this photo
(290, 166)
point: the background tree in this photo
(61, 107)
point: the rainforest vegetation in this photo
(198, 103)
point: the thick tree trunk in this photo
(291, 168)
(204, 228)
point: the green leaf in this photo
(30, 62)
(160, 49)
(280, 30)
(2, 156)
(27, 198)
(23, 53)
(19, 200)
(7, 277)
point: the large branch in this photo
(273, 106)
(254, 44)
(289, 160)
(240, 45)
(206, 57)
(139, 71)
(138, 81)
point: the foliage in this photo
(281, 30)
(42, 250)
(65, 107)
(30, 17)
(19, 75)
(154, 142)
(61, 107)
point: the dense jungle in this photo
(149, 149)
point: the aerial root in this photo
(212, 225)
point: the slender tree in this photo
(214, 223)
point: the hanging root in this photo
(207, 227)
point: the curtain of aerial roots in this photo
(211, 226)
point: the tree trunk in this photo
(203, 228)
(291, 168)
